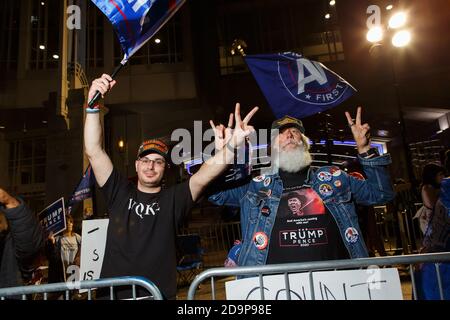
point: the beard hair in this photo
(293, 160)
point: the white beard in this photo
(293, 160)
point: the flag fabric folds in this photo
(296, 86)
(84, 189)
(136, 21)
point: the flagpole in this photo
(113, 75)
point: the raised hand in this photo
(102, 84)
(221, 134)
(7, 200)
(242, 129)
(360, 131)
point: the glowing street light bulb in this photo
(327, 16)
(389, 7)
(374, 34)
(42, 47)
(397, 20)
(332, 3)
(157, 40)
(401, 39)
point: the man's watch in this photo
(371, 153)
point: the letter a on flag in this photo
(136, 21)
(296, 86)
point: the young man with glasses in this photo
(143, 218)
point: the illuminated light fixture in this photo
(374, 34)
(42, 3)
(44, 121)
(327, 16)
(389, 7)
(55, 56)
(238, 46)
(121, 143)
(401, 39)
(383, 133)
(157, 40)
(397, 20)
(2, 127)
(42, 47)
(332, 3)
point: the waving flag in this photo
(84, 189)
(136, 21)
(296, 86)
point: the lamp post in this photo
(400, 37)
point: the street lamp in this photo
(397, 20)
(375, 34)
(399, 38)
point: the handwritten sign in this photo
(93, 248)
(370, 284)
(53, 217)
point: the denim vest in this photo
(337, 189)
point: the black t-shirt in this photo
(304, 229)
(141, 232)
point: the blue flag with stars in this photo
(296, 86)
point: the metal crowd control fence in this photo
(216, 240)
(309, 267)
(89, 285)
(398, 231)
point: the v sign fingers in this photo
(249, 116)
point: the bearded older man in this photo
(272, 233)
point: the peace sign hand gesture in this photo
(242, 130)
(360, 131)
(235, 137)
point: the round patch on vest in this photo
(337, 183)
(324, 176)
(260, 240)
(335, 171)
(325, 190)
(265, 211)
(267, 181)
(258, 178)
(265, 192)
(351, 235)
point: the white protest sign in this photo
(370, 284)
(93, 248)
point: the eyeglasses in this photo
(157, 162)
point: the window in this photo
(45, 26)
(27, 160)
(95, 20)
(168, 50)
(9, 33)
(271, 28)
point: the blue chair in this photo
(189, 257)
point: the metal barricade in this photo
(88, 285)
(216, 240)
(309, 267)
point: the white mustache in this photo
(293, 141)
